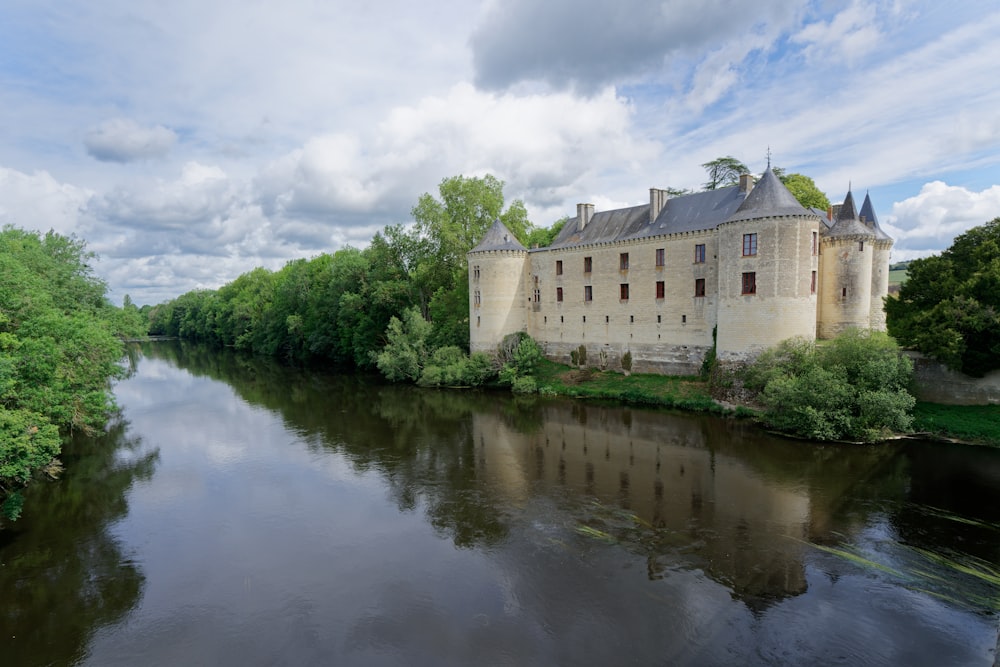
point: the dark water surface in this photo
(239, 513)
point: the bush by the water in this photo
(854, 387)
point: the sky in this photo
(188, 142)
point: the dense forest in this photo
(60, 346)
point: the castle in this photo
(746, 264)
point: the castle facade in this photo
(746, 264)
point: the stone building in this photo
(746, 264)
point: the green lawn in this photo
(897, 277)
(973, 423)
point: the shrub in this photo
(524, 385)
(853, 388)
(581, 355)
(627, 362)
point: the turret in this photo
(497, 292)
(881, 249)
(766, 265)
(846, 273)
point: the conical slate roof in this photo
(871, 221)
(769, 198)
(847, 223)
(498, 237)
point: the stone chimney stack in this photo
(584, 212)
(746, 183)
(657, 200)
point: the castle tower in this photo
(498, 296)
(767, 264)
(881, 248)
(846, 274)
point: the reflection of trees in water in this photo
(64, 575)
(419, 441)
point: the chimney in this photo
(829, 212)
(584, 212)
(657, 200)
(746, 183)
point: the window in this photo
(559, 294)
(660, 257)
(684, 319)
(749, 245)
(661, 289)
(812, 283)
(478, 299)
(538, 295)
(843, 292)
(750, 283)
(631, 318)
(623, 291)
(588, 264)
(607, 319)
(699, 253)
(699, 287)
(815, 242)
(623, 261)
(478, 320)
(861, 246)
(659, 319)
(588, 292)
(558, 267)
(475, 272)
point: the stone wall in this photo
(936, 383)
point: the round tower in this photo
(881, 248)
(846, 278)
(498, 296)
(766, 271)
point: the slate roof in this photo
(847, 222)
(871, 221)
(498, 237)
(769, 198)
(687, 213)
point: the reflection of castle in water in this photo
(691, 478)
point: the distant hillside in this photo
(897, 275)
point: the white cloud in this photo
(124, 140)
(929, 221)
(846, 37)
(38, 201)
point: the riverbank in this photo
(973, 424)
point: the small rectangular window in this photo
(699, 253)
(750, 283)
(659, 319)
(749, 245)
(661, 289)
(861, 246)
(815, 242)
(588, 264)
(623, 261)
(623, 291)
(559, 294)
(558, 267)
(588, 293)
(607, 319)
(538, 295)
(660, 257)
(699, 287)
(478, 320)
(812, 283)
(843, 292)
(475, 272)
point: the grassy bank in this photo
(971, 423)
(685, 393)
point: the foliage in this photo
(581, 355)
(405, 351)
(451, 367)
(805, 191)
(949, 306)
(626, 361)
(724, 171)
(520, 363)
(543, 237)
(59, 348)
(854, 387)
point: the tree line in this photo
(60, 346)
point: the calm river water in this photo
(239, 513)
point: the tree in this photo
(949, 306)
(724, 171)
(544, 236)
(854, 387)
(804, 189)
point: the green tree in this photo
(406, 351)
(949, 306)
(804, 189)
(853, 387)
(544, 236)
(724, 171)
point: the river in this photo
(242, 513)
